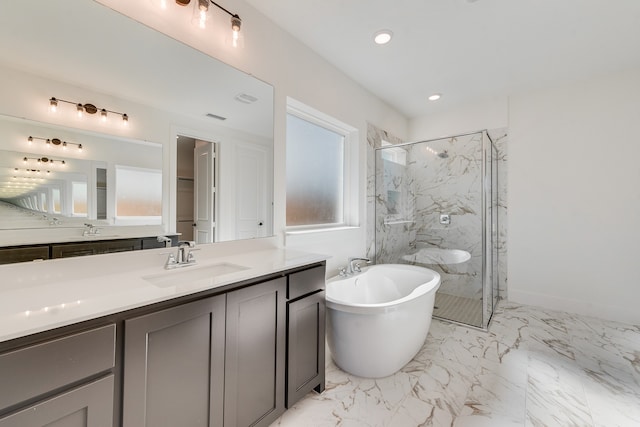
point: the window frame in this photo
(350, 182)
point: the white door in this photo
(251, 192)
(204, 194)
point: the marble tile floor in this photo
(535, 367)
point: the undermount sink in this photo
(193, 274)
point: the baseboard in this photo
(584, 308)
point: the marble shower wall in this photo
(412, 196)
(448, 181)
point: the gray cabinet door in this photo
(90, 405)
(306, 351)
(174, 366)
(255, 354)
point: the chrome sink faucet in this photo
(184, 256)
(90, 230)
(164, 239)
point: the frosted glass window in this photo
(44, 205)
(315, 174)
(79, 198)
(138, 192)
(55, 196)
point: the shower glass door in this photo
(432, 210)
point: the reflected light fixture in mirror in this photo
(55, 142)
(86, 108)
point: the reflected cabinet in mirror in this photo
(106, 121)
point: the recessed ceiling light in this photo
(382, 36)
(435, 97)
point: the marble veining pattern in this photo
(419, 187)
(534, 367)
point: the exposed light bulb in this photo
(80, 147)
(236, 25)
(53, 105)
(103, 115)
(200, 15)
(30, 139)
(125, 120)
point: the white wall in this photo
(574, 197)
(574, 193)
(490, 113)
(295, 71)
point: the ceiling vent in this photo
(215, 116)
(245, 99)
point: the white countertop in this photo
(44, 295)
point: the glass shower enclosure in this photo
(436, 206)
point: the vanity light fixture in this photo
(201, 16)
(55, 142)
(382, 36)
(36, 171)
(87, 108)
(44, 160)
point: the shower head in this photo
(443, 154)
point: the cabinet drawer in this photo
(305, 282)
(41, 368)
(90, 405)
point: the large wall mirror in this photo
(184, 145)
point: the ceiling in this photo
(467, 50)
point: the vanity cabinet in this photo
(94, 248)
(255, 355)
(28, 253)
(235, 356)
(305, 334)
(23, 254)
(66, 381)
(90, 405)
(174, 366)
(214, 362)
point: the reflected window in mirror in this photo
(138, 195)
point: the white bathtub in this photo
(378, 320)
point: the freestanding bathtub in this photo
(378, 320)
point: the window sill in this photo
(319, 230)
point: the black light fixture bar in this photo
(44, 160)
(202, 7)
(54, 141)
(87, 108)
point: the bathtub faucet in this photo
(353, 266)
